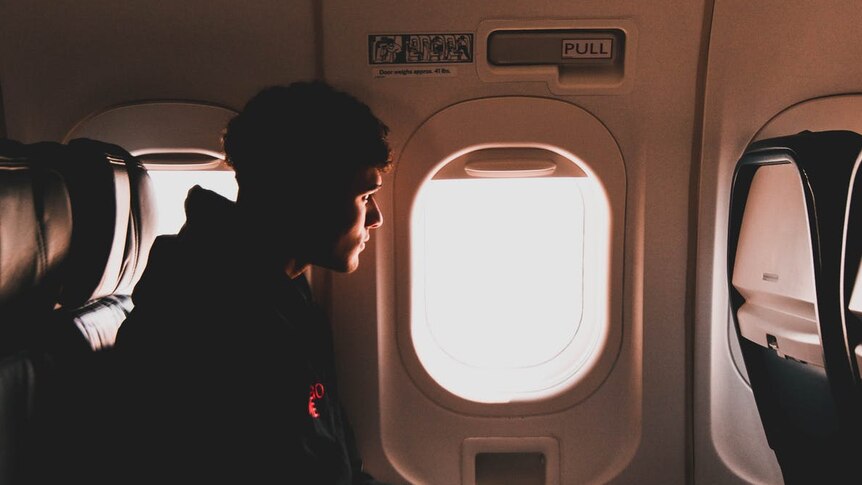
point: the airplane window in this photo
(498, 284)
(172, 186)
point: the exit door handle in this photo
(554, 47)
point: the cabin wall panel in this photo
(763, 58)
(654, 125)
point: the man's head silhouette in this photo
(308, 160)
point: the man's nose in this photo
(373, 217)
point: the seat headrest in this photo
(88, 205)
(113, 216)
(35, 225)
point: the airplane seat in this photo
(35, 237)
(67, 354)
(787, 218)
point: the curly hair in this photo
(304, 130)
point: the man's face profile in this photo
(356, 213)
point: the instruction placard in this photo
(434, 48)
(418, 71)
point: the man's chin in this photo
(342, 266)
(351, 265)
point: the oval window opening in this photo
(499, 312)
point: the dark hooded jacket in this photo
(226, 367)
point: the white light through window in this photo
(499, 274)
(504, 268)
(172, 186)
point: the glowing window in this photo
(501, 310)
(171, 188)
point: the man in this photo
(227, 369)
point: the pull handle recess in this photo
(510, 162)
(510, 168)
